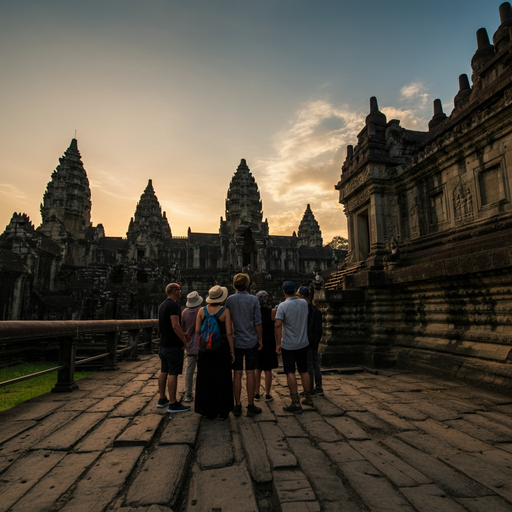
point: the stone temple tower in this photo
(149, 227)
(243, 202)
(309, 230)
(67, 200)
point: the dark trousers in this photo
(314, 369)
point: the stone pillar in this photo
(377, 229)
(66, 376)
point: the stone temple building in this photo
(427, 283)
(68, 269)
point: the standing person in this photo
(246, 317)
(188, 324)
(172, 346)
(214, 387)
(292, 343)
(314, 337)
(267, 357)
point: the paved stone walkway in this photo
(387, 442)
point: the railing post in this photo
(133, 340)
(66, 376)
(147, 338)
(111, 359)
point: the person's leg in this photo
(189, 377)
(268, 381)
(237, 385)
(257, 381)
(162, 381)
(249, 375)
(306, 383)
(310, 365)
(172, 386)
(317, 372)
(292, 383)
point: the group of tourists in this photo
(231, 333)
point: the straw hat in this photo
(217, 295)
(193, 300)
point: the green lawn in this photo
(21, 391)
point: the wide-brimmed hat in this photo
(193, 300)
(241, 281)
(217, 294)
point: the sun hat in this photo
(288, 287)
(217, 294)
(193, 300)
(241, 281)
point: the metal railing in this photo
(69, 334)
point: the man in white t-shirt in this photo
(292, 343)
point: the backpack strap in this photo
(219, 312)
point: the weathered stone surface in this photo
(304, 506)
(130, 407)
(370, 421)
(24, 474)
(222, 489)
(348, 428)
(182, 429)
(326, 408)
(406, 411)
(316, 466)
(13, 428)
(340, 452)
(444, 476)
(486, 503)
(48, 490)
(69, 434)
(429, 497)
(291, 427)
(346, 404)
(80, 404)
(140, 432)
(104, 480)
(214, 445)
(373, 488)
(30, 410)
(278, 451)
(399, 472)
(317, 428)
(103, 436)
(161, 478)
(107, 404)
(143, 376)
(131, 389)
(104, 391)
(255, 450)
(390, 419)
(292, 486)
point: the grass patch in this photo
(21, 391)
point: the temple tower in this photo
(149, 226)
(309, 230)
(243, 202)
(67, 199)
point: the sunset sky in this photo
(178, 91)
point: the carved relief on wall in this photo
(415, 217)
(378, 171)
(462, 202)
(373, 229)
(359, 199)
(354, 183)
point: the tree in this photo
(338, 242)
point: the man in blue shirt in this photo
(246, 317)
(292, 343)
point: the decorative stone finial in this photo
(374, 106)
(350, 150)
(505, 12)
(484, 53)
(502, 37)
(243, 162)
(482, 38)
(375, 117)
(439, 115)
(464, 89)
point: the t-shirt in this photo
(168, 338)
(294, 314)
(246, 315)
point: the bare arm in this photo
(273, 314)
(259, 332)
(279, 335)
(175, 320)
(226, 318)
(199, 320)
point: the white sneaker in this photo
(189, 398)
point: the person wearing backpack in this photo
(214, 387)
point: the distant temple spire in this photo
(309, 230)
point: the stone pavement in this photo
(388, 442)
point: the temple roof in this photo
(309, 231)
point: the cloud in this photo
(11, 192)
(409, 118)
(415, 90)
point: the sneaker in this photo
(269, 398)
(313, 393)
(318, 392)
(308, 401)
(237, 411)
(189, 398)
(177, 407)
(162, 402)
(252, 410)
(297, 409)
(256, 398)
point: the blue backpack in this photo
(210, 338)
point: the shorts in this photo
(171, 359)
(292, 357)
(251, 358)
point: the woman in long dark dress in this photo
(267, 357)
(214, 385)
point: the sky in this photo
(180, 91)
